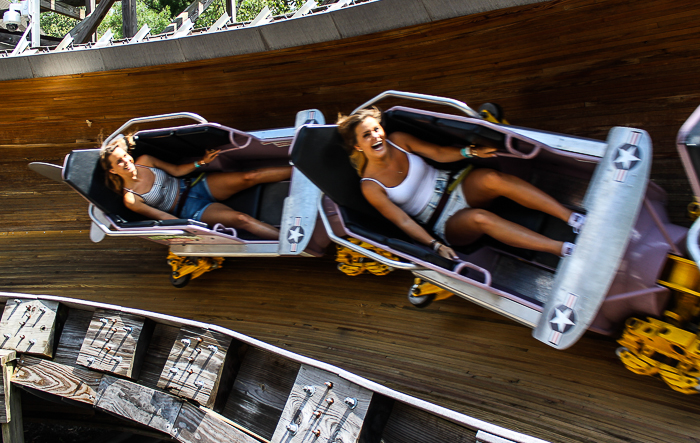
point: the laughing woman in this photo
(150, 187)
(406, 190)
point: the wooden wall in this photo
(575, 66)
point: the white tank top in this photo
(414, 192)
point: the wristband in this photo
(437, 245)
(197, 164)
(466, 152)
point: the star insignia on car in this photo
(295, 234)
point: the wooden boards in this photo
(115, 342)
(31, 326)
(323, 407)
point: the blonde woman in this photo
(150, 187)
(409, 192)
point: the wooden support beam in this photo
(82, 32)
(192, 12)
(90, 6)
(30, 326)
(231, 9)
(129, 25)
(115, 342)
(322, 407)
(63, 9)
(200, 425)
(195, 365)
(70, 382)
(141, 404)
(11, 413)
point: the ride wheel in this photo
(423, 293)
(185, 269)
(493, 112)
(353, 263)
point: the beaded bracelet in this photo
(466, 152)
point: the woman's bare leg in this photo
(220, 213)
(223, 185)
(484, 185)
(467, 225)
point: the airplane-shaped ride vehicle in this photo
(195, 247)
(619, 253)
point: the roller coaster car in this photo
(288, 205)
(619, 252)
(669, 347)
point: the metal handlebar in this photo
(133, 233)
(154, 118)
(423, 98)
(359, 249)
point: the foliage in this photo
(157, 20)
(56, 25)
(157, 14)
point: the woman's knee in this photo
(479, 220)
(490, 179)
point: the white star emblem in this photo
(296, 233)
(626, 157)
(562, 318)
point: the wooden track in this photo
(453, 353)
(574, 66)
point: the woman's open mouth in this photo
(378, 145)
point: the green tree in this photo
(157, 14)
(156, 20)
(56, 25)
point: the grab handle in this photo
(154, 118)
(233, 140)
(423, 98)
(464, 264)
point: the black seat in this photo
(318, 153)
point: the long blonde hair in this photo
(347, 125)
(113, 181)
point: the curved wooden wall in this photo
(574, 66)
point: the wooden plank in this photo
(195, 364)
(129, 24)
(83, 30)
(5, 406)
(63, 9)
(322, 407)
(155, 409)
(73, 383)
(13, 423)
(29, 326)
(198, 425)
(260, 391)
(157, 354)
(408, 425)
(115, 342)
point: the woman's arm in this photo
(177, 170)
(442, 154)
(137, 205)
(377, 197)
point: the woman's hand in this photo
(447, 252)
(482, 151)
(209, 156)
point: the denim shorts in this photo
(441, 182)
(198, 200)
